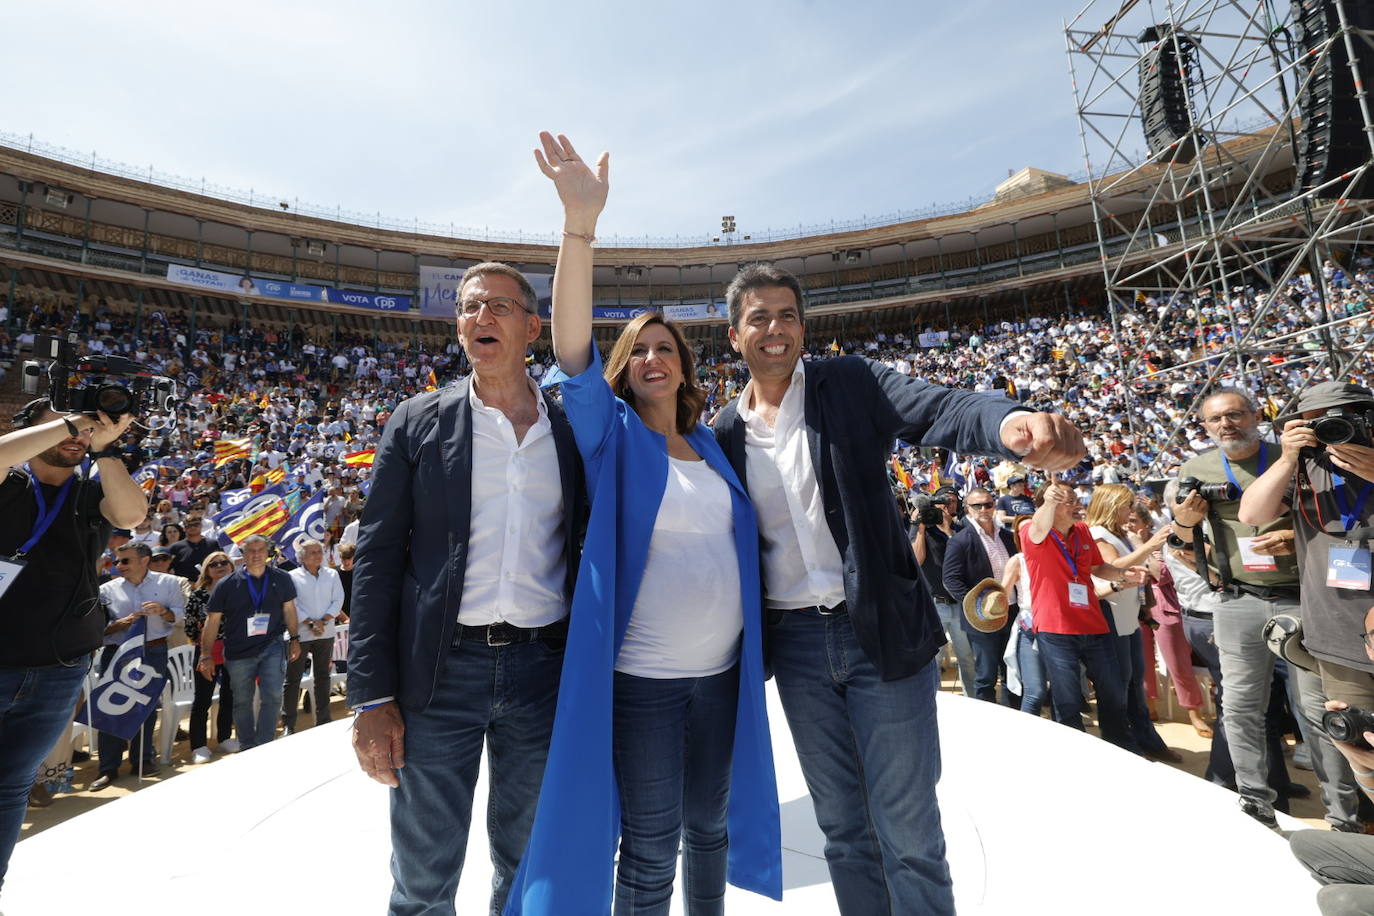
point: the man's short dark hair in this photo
(758, 276)
(138, 547)
(505, 270)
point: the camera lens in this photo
(1333, 430)
(114, 400)
(1339, 725)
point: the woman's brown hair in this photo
(690, 398)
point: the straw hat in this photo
(985, 606)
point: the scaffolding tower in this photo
(1256, 169)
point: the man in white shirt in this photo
(135, 593)
(852, 632)
(319, 596)
(458, 615)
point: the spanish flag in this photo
(267, 478)
(834, 345)
(363, 458)
(900, 473)
(227, 450)
(265, 521)
(431, 382)
(935, 481)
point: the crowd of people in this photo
(1045, 557)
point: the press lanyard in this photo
(1263, 465)
(1059, 542)
(257, 597)
(47, 516)
(1349, 517)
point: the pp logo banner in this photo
(306, 524)
(128, 691)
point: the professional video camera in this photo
(113, 384)
(928, 513)
(1341, 425)
(1211, 492)
(1348, 726)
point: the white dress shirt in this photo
(122, 598)
(994, 548)
(516, 558)
(317, 596)
(802, 566)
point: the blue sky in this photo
(778, 113)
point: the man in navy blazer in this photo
(852, 634)
(466, 557)
(980, 551)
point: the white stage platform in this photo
(1038, 819)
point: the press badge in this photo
(1078, 595)
(1255, 562)
(1347, 567)
(10, 568)
(257, 624)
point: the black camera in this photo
(1212, 492)
(115, 385)
(1348, 726)
(1341, 425)
(928, 513)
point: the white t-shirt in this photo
(688, 615)
(1125, 604)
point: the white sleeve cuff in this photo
(377, 702)
(1002, 428)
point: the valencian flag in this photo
(227, 450)
(240, 506)
(265, 520)
(363, 458)
(267, 478)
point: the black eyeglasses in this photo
(500, 306)
(123, 561)
(981, 505)
(218, 563)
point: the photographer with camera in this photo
(1344, 864)
(934, 521)
(1323, 479)
(54, 523)
(1257, 578)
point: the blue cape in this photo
(568, 867)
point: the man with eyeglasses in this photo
(136, 592)
(1258, 578)
(467, 552)
(189, 553)
(979, 552)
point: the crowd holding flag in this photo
(900, 473)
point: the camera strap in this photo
(1350, 517)
(1223, 561)
(45, 516)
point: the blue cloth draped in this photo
(568, 866)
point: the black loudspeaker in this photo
(1332, 141)
(1166, 77)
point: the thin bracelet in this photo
(589, 239)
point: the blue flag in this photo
(246, 507)
(306, 523)
(127, 693)
(230, 499)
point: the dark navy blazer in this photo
(967, 564)
(854, 409)
(413, 544)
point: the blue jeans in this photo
(870, 752)
(262, 674)
(1034, 688)
(951, 619)
(1130, 660)
(36, 704)
(111, 747)
(1061, 654)
(673, 743)
(501, 696)
(988, 649)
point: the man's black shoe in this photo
(100, 782)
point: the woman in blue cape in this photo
(661, 729)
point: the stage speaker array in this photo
(1167, 71)
(1332, 141)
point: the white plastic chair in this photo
(177, 697)
(79, 727)
(336, 676)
